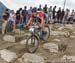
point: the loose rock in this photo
(7, 55)
(9, 38)
(31, 58)
(70, 58)
(56, 33)
(23, 42)
(60, 28)
(52, 47)
(57, 40)
(69, 26)
(72, 36)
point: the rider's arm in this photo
(29, 22)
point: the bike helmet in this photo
(34, 9)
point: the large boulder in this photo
(60, 28)
(18, 31)
(52, 47)
(72, 36)
(7, 55)
(56, 33)
(70, 58)
(23, 41)
(9, 38)
(73, 32)
(31, 58)
(56, 40)
(69, 26)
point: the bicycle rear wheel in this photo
(32, 44)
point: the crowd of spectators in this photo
(21, 16)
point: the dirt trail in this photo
(46, 54)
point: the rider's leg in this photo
(29, 23)
(43, 26)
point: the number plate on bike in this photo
(31, 29)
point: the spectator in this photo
(74, 19)
(50, 11)
(18, 16)
(59, 15)
(21, 17)
(70, 18)
(24, 14)
(11, 21)
(40, 7)
(30, 12)
(66, 15)
(54, 13)
(72, 14)
(5, 19)
(62, 14)
(45, 9)
(7, 13)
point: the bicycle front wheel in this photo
(32, 44)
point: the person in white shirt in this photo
(12, 17)
(67, 14)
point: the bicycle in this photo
(32, 42)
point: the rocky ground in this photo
(13, 49)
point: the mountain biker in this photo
(39, 14)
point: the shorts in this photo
(38, 20)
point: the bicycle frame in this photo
(33, 32)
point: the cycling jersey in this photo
(38, 15)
